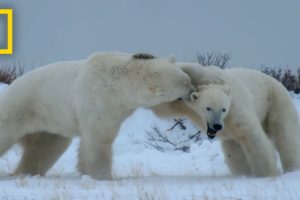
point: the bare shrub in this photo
(275, 73)
(217, 59)
(9, 73)
(169, 141)
(289, 79)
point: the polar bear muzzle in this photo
(212, 131)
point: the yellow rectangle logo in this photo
(9, 13)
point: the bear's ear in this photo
(226, 89)
(172, 59)
(194, 96)
(143, 56)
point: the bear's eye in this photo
(208, 108)
(223, 110)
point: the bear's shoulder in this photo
(117, 57)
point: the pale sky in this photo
(254, 32)
(3, 34)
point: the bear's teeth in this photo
(211, 136)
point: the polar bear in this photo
(254, 117)
(206, 107)
(88, 98)
(40, 151)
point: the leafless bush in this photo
(217, 59)
(167, 141)
(275, 73)
(289, 79)
(9, 73)
(178, 122)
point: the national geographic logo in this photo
(6, 31)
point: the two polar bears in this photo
(89, 98)
(258, 114)
(92, 97)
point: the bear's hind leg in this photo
(285, 132)
(40, 152)
(7, 139)
(235, 158)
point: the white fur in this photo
(262, 118)
(89, 98)
(212, 102)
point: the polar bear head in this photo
(212, 103)
(156, 80)
(141, 80)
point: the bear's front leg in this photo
(235, 157)
(257, 147)
(40, 152)
(95, 154)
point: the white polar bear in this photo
(258, 114)
(40, 151)
(89, 98)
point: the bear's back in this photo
(255, 80)
(57, 76)
(265, 91)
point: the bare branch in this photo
(217, 59)
(161, 142)
(178, 122)
(9, 73)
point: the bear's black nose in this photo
(217, 127)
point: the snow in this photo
(142, 172)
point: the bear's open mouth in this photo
(211, 133)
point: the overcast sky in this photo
(3, 34)
(254, 32)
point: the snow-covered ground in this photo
(142, 172)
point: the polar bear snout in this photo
(217, 127)
(183, 85)
(213, 128)
(211, 133)
(187, 97)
